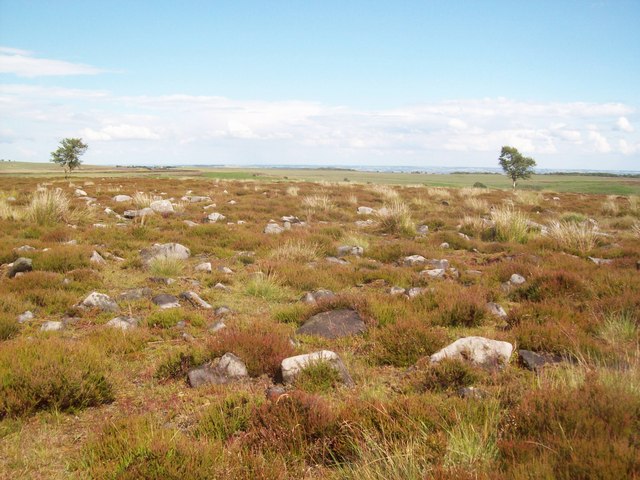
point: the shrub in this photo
(479, 185)
(169, 318)
(610, 206)
(265, 287)
(446, 375)
(261, 348)
(227, 416)
(49, 207)
(50, 374)
(576, 237)
(395, 217)
(402, 343)
(319, 377)
(166, 266)
(464, 307)
(9, 327)
(178, 363)
(510, 225)
(62, 259)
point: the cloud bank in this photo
(23, 64)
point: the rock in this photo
(292, 366)
(221, 286)
(20, 265)
(535, 361)
(291, 219)
(161, 206)
(163, 280)
(601, 261)
(397, 290)
(464, 236)
(473, 273)
(477, 350)
(25, 317)
(130, 214)
(413, 260)
(444, 245)
(195, 300)
(165, 250)
(474, 393)
(100, 301)
(214, 217)
(336, 260)
(516, 279)
(364, 223)
(350, 250)
(25, 248)
(222, 311)
(229, 368)
(165, 301)
(333, 324)
(414, 292)
(274, 393)
(232, 202)
(189, 223)
(123, 323)
(438, 263)
(496, 310)
(51, 326)
(122, 198)
(225, 270)
(97, 258)
(135, 294)
(80, 193)
(217, 326)
(317, 295)
(273, 229)
(433, 273)
(195, 198)
(204, 267)
(365, 211)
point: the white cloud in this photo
(600, 143)
(624, 124)
(23, 64)
(120, 132)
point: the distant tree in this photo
(516, 165)
(68, 154)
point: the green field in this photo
(551, 183)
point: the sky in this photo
(411, 83)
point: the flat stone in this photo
(337, 261)
(51, 326)
(20, 265)
(412, 260)
(100, 301)
(535, 361)
(123, 323)
(189, 223)
(365, 211)
(165, 250)
(25, 317)
(122, 198)
(204, 267)
(433, 273)
(165, 301)
(601, 261)
(291, 367)
(229, 368)
(134, 294)
(222, 311)
(350, 250)
(215, 217)
(195, 300)
(516, 279)
(477, 350)
(161, 206)
(333, 324)
(273, 229)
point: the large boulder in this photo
(291, 367)
(333, 324)
(165, 250)
(122, 198)
(100, 301)
(229, 368)
(20, 265)
(273, 229)
(412, 260)
(477, 350)
(161, 206)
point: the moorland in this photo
(260, 324)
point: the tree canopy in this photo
(516, 165)
(68, 154)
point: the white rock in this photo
(517, 279)
(214, 217)
(203, 267)
(496, 310)
(122, 198)
(97, 258)
(161, 206)
(80, 193)
(433, 273)
(52, 326)
(292, 366)
(123, 323)
(99, 300)
(414, 260)
(25, 317)
(165, 250)
(478, 350)
(273, 229)
(365, 210)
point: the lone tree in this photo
(516, 165)
(68, 154)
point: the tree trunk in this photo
(514, 183)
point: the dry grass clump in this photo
(469, 192)
(166, 266)
(439, 193)
(527, 197)
(404, 342)
(8, 212)
(395, 217)
(143, 200)
(48, 207)
(610, 206)
(386, 192)
(293, 191)
(355, 239)
(579, 237)
(50, 374)
(296, 251)
(318, 202)
(510, 225)
(635, 229)
(266, 287)
(476, 204)
(634, 203)
(473, 225)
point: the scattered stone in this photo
(52, 326)
(496, 310)
(464, 236)
(292, 366)
(195, 199)
(123, 323)
(25, 317)
(422, 230)
(433, 273)
(204, 267)
(97, 258)
(187, 337)
(229, 368)
(350, 250)
(473, 273)
(601, 261)
(414, 292)
(473, 393)
(364, 223)
(122, 198)
(165, 301)
(221, 286)
(165, 250)
(274, 393)
(214, 217)
(273, 229)
(535, 361)
(189, 223)
(143, 212)
(20, 265)
(162, 206)
(25, 248)
(444, 245)
(225, 270)
(365, 211)
(516, 279)
(397, 290)
(100, 301)
(413, 260)
(337, 261)
(477, 350)
(291, 219)
(438, 263)
(195, 300)
(80, 193)
(162, 280)
(333, 324)
(217, 326)
(317, 295)
(232, 202)
(222, 311)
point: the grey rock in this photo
(413, 260)
(337, 261)
(291, 367)
(51, 326)
(195, 198)
(535, 361)
(161, 206)
(291, 219)
(97, 258)
(222, 311)
(20, 265)
(438, 263)
(134, 294)
(229, 368)
(517, 279)
(364, 223)
(273, 229)
(397, 290)
(100, 301)
(195, 300)
(496, 310)
(221, 286)
(422, 230)
(317, 295)
(226, 270)
(80, 193)
(601, 261)
(25, 248)
(204, 267)
(165, 250)
(350, 250)
(333, 324)
(162, 280)
(474, 393)
(189, 223)
(214, 217)
(274, 393)
(143, 212)
(25, 317)
(414, 292)
(433, 273)
(122, 198)
(166, 301)
(365, 211)
(444, 245)
(477, 350)
(123, 323)
(217, 326)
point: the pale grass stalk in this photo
(386, 192)
(582, 237)
(318, 202)
(476, 204)
(511, 225)
(395, 217)
(635, 229)
(610, 206)
(473, 224)
(293, 191)
(297, 250)
(355, 239)
(468, 192)
(527, 197)
(439, 193)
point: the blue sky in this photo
(346, 82)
